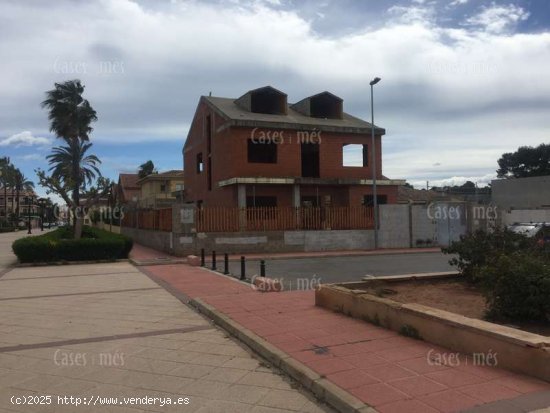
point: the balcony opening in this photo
(261, 201)
(200, 163)
(262, 152)
(355, 155)
(310, 160)
(368, 200)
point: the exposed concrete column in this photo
(296, 196)
(241, 202)
(241, 195)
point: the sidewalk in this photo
(108, 335)
(381, 368)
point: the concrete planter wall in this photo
(515, 350)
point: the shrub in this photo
(479, 248)
(7, 229)
(517, 287)
(59, 245)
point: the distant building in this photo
(159, 190)
(27, 201)
(127, 190)
(259, 150)
(522, 193)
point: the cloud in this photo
(24, 138)
(459, 95)
(498, 18)
(30, 157)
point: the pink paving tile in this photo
(522, 384)
(327, 341)
(408, 406)
(281, 338)
(313, 333)
(454, 378)
(350, 379)
(421, 365)
(386, 372)
(402, 353)
(348, 349)
(293, 346)
(417, 386)
(378, 394)
(450, 401)
(364, 360)
(308, 355)
(484, 372)
(329, 365)
(489, 392)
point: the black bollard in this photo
(214, 260)
(226, 263)
(243, 268)
(202, 257)
(262, 268)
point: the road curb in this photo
(325, 390)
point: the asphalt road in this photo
(299, 273)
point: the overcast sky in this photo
(463, 81)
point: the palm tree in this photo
(20, 183)
(5, 181)
(70, 118)
(63, 160)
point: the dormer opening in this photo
(266, 100)
(326, 106)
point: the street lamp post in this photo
(373, 157)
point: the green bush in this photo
(7, 229)
(479, 248)
(517, 287)
(59, 245)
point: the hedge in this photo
(58, 245)
(7, 229)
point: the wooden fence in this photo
(232, 219)
(228, 219)
(154, 219)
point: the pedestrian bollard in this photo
(202, 257)
(243, 268)
(226, 263)
(262, 268)
(214, 260)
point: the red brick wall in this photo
(229, 160)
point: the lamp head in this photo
(375, 81)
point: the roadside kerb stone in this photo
(326, 391)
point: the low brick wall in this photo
(516, 350)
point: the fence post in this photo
(226, 263)
(202, 257)
(214, 260)
(243, 268)
(262, 268)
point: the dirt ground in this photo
(449, 295)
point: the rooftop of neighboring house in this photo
(176, 174)
(127, 184)
(268, 107)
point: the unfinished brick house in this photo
(260, 151)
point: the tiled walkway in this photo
(108, 335)
(389, 372)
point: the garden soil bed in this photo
(454, 296)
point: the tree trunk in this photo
(78, 218)
(17, 207)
